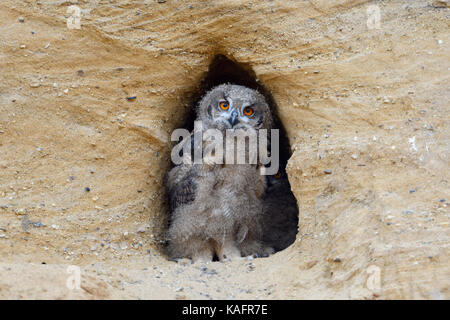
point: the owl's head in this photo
(231, 106)
(278, 183)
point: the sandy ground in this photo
(367, 101)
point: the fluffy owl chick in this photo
(280, 213)
(217, 209)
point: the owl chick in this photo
(216, 209)
(280, 213)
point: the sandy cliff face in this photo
(365, 107)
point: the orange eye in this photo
(224, 105)
(248, 111)
(278, 175)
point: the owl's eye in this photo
(248, 111)
(278, 175)
(224, 105)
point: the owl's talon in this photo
(226, 259)
(205, 256)
(184, 261)
(201, 260)
(229, 252)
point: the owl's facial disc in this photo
(237, 113)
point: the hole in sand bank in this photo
(280, 222)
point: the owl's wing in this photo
(182, 185)
(182, 178)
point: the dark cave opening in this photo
(284, 208)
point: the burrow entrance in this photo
(282, 218)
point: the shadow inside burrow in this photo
(225, 70)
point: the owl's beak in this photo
(233, 119)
